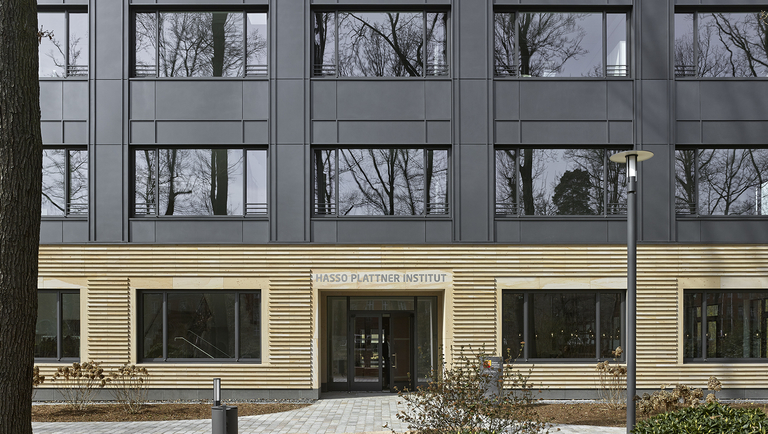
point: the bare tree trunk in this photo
(21, 162)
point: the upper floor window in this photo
(724, 181)
(200, 182)
(65, 53)
(380, 44)
(57, 333)
(576, 325)
(200, 44)
(546, 182)
(65, 182)
(720, 44)
(561, 44)
(381, 181)
(725, 324)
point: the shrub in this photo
(456, 400)
(612, 389)
(37, 379)
(129, 386)
(712, 418)
(681, 396)
(80, 382)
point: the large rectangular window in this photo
(380, 44)
(720, 44)
(200, 44)
(561, 44)
(200, 182)
(547, 182)
(197, 326)
(63, 51)
(723, 181)
(381, 181)
(576, 325)
(725, 325)
(57, 333)
(65, 182)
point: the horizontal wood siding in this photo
(470, 306)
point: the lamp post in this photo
(631, 158)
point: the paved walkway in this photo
(334, 414)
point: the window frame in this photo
(528, 311)
(517, 210)
(59, 329)
(236, 326)
(256, 71)
(322, 73)
(446, 207)
(71, 210)
(71, 72)
(604, 37)
(702, 357)
(258, 210)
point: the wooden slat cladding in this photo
(471, 302)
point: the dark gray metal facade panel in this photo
(506, 99)
(199, 132)
(142, 95)
(255, 99)
(51, 231)
(621, 133)
(142, 231)
(256, 132)
(734, 231)
(438, 231)
(289, 119)
(656, 116)
(142, 132)
(199, 231)
(472, 20)
(199, 100)
(656, 192)
(473, 111)
(474, 188)
(688, 133)
(75, 231)
(108, 111)
(564, 232)
(289, 192)
(617, 231)
(507, 133)
(324, 231)
(75, 100)
(380, 100)
(325, 132)
(734, 133)
(381, 232)
(291, 30)
(507, 231)
(620, 100)
(688, 231)
(564, 132)
(439, 132)
(107, 24)
(323, 100)
(107, 192)
(76, 132)
(52, 131)
(256, 231)
(688, 99)
(734, 100)
(438, 99)
(654, 36)
(382, 132)
(51, 99)
(563, 100)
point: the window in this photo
(380, 44)
(200, 44)
(725, 181)
(57, 333)
(562, 325)
(725, 324)
(561, 44)
(720, 44)
(200, 182)
(65, 182)
(195, 325)
(547, 182)
(381, 181)
(65, 53)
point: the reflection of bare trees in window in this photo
(380, 44)
(65, 53)
(392, 181)
(547, 41)
(728, 45)
(65, 182)
(685, 181)
(199, 182)
(199, 44)
(731, 181)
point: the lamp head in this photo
(631, 158)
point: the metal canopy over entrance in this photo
(380, 343)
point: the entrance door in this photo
(381, 358)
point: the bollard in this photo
(223, 417)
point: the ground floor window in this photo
(57, 333)
(725, 325)
(198, 326)
(564, 325)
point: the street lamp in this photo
(631, 158)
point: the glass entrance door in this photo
(366, 331)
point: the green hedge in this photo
(714, 418)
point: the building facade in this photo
(310, 195)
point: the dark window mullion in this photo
(695, 44)
(605, 44)
(704, 325)
(598, 340)
(336, 50)
(527, 340)
(245, 45)
(59, 317)
(165, 326)
(157, 44)
(424, 48)
(66, 47)
(237, 326)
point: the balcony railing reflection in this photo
(255, 70)
(146, 71)
(685, 208)
(437, 208)
(685, 71)
(256, 208)
(616, 70)
(77, 70)
(504, 209)
(77, 209)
